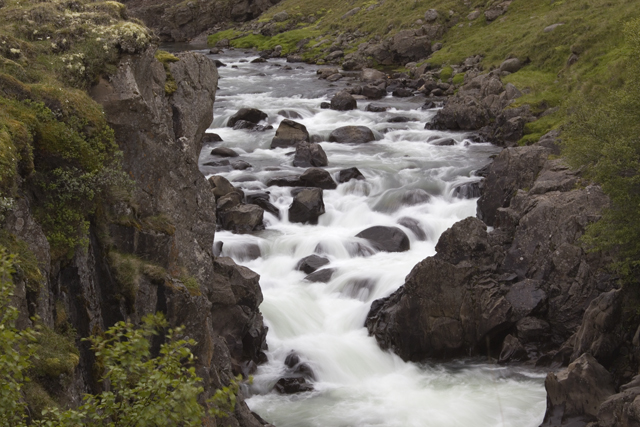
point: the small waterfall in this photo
(409, 183)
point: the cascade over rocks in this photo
(386, 239)
(481, 287)
(251, 115)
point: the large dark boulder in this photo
(251, 115)
(223, 152)
(318, 178)
(343, 101)
(242, 219)
(386, 239)
(346, 175)
(574, 395)
(374, 92)
(307, 206)
(289, 134)
(352, 134)
(406, 47)
(293, 385)
(309, 154)
(461, 113)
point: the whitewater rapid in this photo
(357, 384)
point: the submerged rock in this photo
(352, 134)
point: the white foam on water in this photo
(357, 384)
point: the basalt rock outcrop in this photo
(167, 227)
(528, 279)
(178, 21)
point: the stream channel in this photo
(356, 383)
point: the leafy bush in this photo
(604, 139)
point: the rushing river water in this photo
(357, 384)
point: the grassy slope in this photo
(592, 29)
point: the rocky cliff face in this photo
(179, 21)
(164, 234)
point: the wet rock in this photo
(325, 105)
(372, 75)
(289, 134)
(399, 119)
(318, 178)
(209, 138)
(413, 225)
(251, 115)
(374, 92)
(307, 206)
(293, 385)
(512, 351)
(285, 181)
(376, 108)
(262, 200)
(576, 393)
(444, 142)
(243, 124)
(343, 101)
(309, 154)
(258, 61)
(240, 165)
(223, 152)
(532, 329)
(221, 186)
(242, 219)
(228, 201)
(386, 239)
(402, 92)
(322, 276)
(346, 175)
(461, 113)
(469, 190)
(289, 114)
(352, 134)
(323, 73)
(311, 263)
(415, 197)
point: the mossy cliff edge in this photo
(102, 199)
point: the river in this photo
(356, 383)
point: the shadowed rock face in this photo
(175, 20)
(528, 279)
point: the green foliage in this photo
(144, 390)
(166, 58)
(604, 139)
(25, 264)
(458, 79)
(15, 350)
(446, 73)
(55, 353)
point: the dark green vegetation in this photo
(591, 34)
(54, 140)
(143, 390)
(603, 138)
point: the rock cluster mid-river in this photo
(407, 181)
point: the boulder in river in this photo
(346, 175)
(251, 115)
(293, 385)
(242, 219)
(343, 101)
(311, 263)
(352, 134)
(309, 154)
(223, 152)
(415, 227)
(289, 114)
(262, 200)
(372, 75)
(386, 239)
(307, 206)
(374, 92)
(209, 138)
(322, 276)
(319, 178)
(289, 134)
(374, 108)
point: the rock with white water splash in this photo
(308, 155)
(311, 263)
(242, 219)
(307, 206)
(386, 239)
(319, 178)
(251, 115)
(346, 175)
(352, 134)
